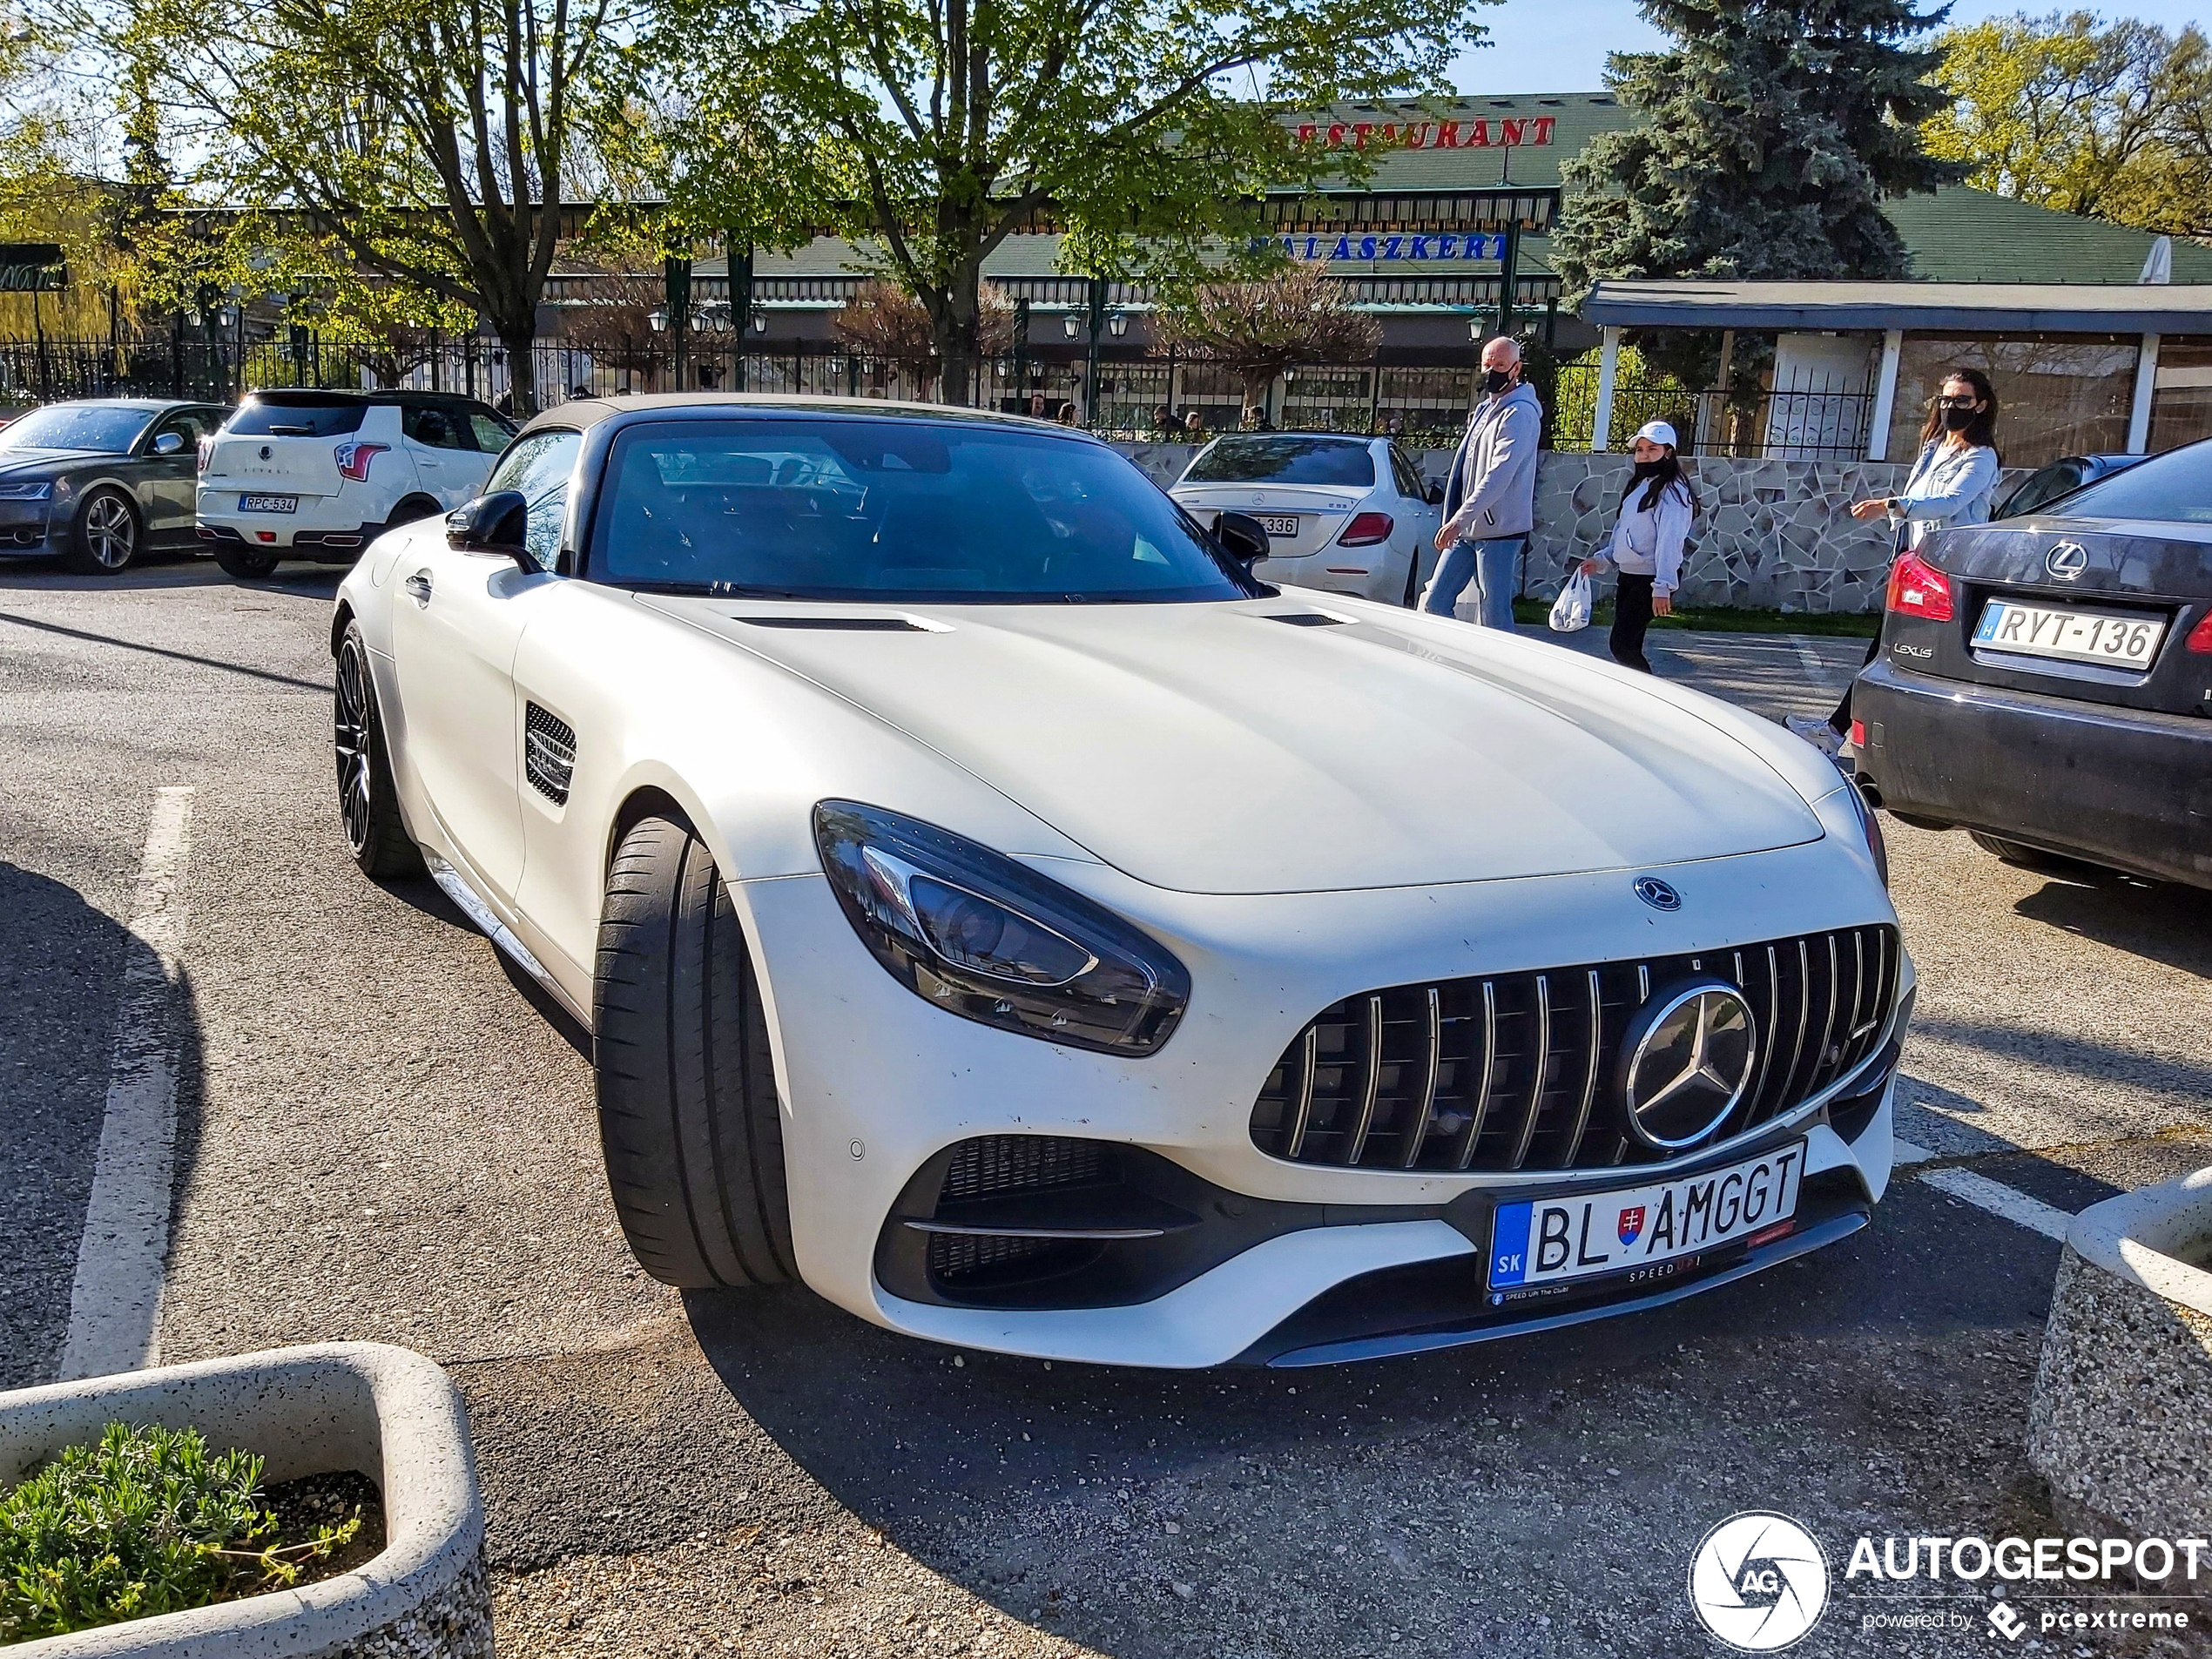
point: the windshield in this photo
(1284, 460)
(877, 509)
(98, 428)
(2176, 485)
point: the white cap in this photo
(1658, 432)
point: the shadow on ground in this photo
(62, 963)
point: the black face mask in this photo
(1647, 468)
(1957, 420)
(1495, 380)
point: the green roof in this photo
(1964, 235)
(1958, 234)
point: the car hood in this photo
(34, 463)
(1216, 748)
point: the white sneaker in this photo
(1817, 733)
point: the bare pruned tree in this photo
(1261, 328)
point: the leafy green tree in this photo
(427, 141)
(2070, 112)
(1770, 133)
(932, 129)
(1258, 328)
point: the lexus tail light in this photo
(1366, 530)
(1918, 588)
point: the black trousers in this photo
(1841, 719)
(1631, 619)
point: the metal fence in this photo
(1822, 420)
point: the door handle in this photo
(419, 585)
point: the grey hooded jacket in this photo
(1492, 491)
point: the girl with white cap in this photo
(1647, 542)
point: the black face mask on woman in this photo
(1957, 420)
(1495, 380)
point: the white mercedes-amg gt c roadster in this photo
(997, 907)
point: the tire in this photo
(368, 804)
(688, 1118)
(408, 511)
(1413, 579)
(105, 538)
(2019, 853)
(247, 563)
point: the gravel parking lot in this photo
(384, 1134)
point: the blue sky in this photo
(1560, 45)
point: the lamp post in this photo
(678, 320)
(1091, 360)
(739, 247)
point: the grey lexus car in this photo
(101, 482)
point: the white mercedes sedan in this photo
(1343, 515)
(997, 910)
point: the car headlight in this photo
(26, 492)
(992, 941)
(1870, 826)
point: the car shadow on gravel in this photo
(1304, 1512)
(2161, 923)
(62, 965)
(421, 894)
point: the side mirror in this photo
(1433, 495)
(1241, 536)
(169, 443)
(494, 524)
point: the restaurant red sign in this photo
(1480, 133)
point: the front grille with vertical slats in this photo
(548, 753)
(1515, 1072)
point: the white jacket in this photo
(1651, 543)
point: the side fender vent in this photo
(549, 754)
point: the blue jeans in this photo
(1495, 569)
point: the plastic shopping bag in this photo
(1571, 610)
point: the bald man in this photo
(1490, 499)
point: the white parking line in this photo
(2000, 1200)
(1816, 670)
(115, 1304)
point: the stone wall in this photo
(1769, 534)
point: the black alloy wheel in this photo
(367, 802)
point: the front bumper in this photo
(2123, 787)
(877, 1084)
(25, 532)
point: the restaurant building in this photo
(1457, 212)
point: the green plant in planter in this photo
(145, 1522)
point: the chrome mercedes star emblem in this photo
(1658, 893)
(1689, 1052)
(2066, 560)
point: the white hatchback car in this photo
(320, 475)
(1342, 514)
(997, 910)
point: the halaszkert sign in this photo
(33, 267)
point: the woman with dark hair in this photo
(1648, 542)
(1949, 484)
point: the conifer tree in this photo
(1769, 135)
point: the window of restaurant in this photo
(2056, 395)
(2181, 399)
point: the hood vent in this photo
(842, 624)
(1310, 619)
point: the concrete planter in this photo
(384, 1412)
(2123, 1396)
